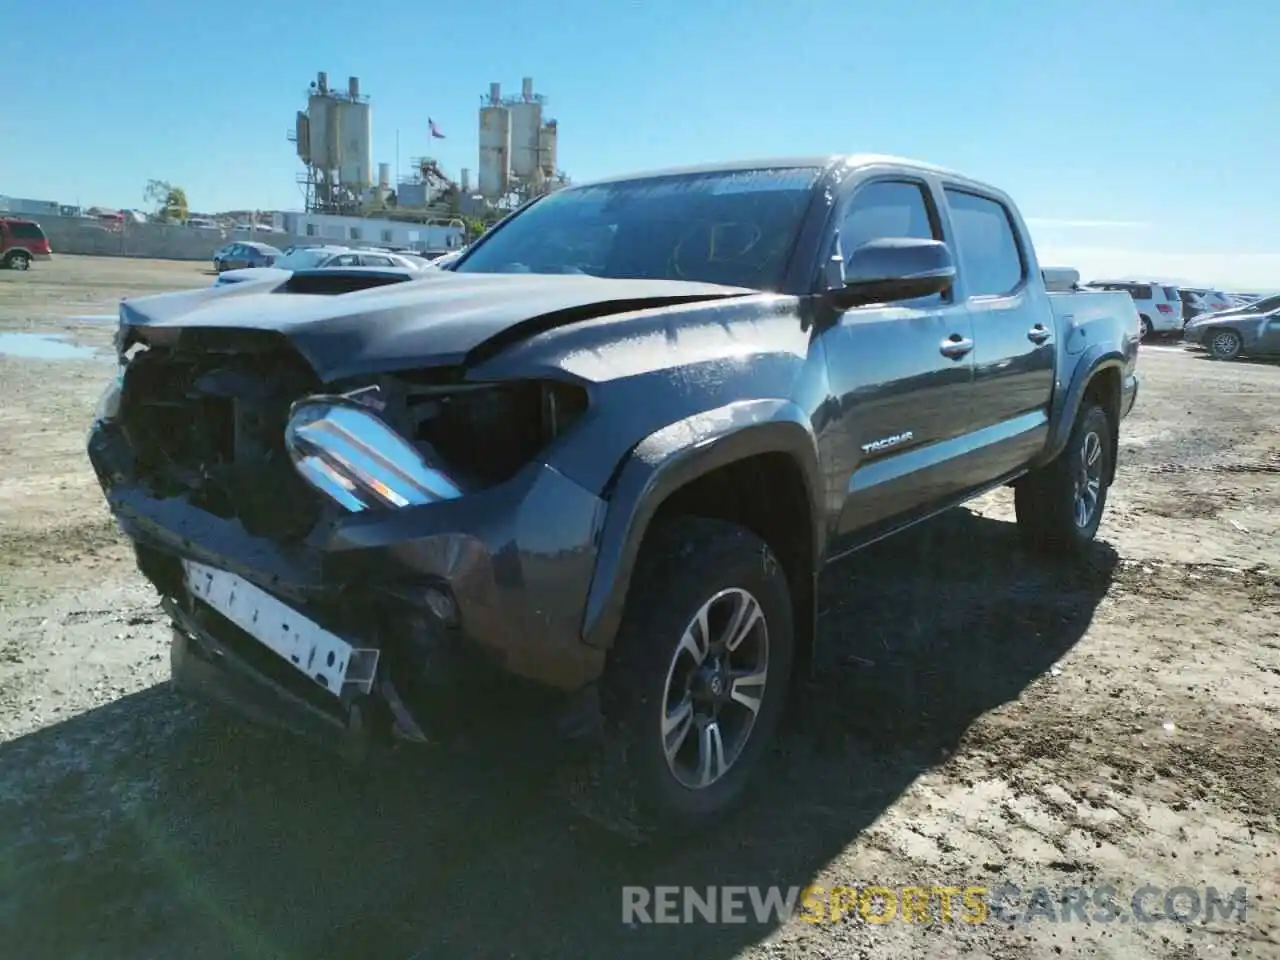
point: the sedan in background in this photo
(1250, 331)
(244, 254)
(324, 258)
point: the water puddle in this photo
(42, 346)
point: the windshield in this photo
(1265, 305)
(727, 227)
(304, 259)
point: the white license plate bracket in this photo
(329, 661)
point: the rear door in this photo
(1171, 309)
(1013, 329)
(899, 374)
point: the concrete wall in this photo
(150, 240)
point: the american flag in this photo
(435, 131)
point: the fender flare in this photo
(1092, 362)
(669, 459)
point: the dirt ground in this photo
(982, 720)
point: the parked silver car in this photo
(324, 258)
(1252, 330)
(243, 254)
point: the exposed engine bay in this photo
(211, 424)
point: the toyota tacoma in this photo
(603, 458)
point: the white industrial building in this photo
(351, 231)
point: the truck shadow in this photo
(153, 828)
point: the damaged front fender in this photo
(676, 456)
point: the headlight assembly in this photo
(350, 455)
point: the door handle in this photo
(956, 346)
(1038, 334)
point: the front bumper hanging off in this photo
(377, 621)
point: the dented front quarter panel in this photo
(674, 394)
(648, 370)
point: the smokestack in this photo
(353, 88)
(384, 175)
(322, 81)
(464, 181)
(526, 89)
(495, 92)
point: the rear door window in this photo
(26, 231)
(989, 251)
(1140, 291)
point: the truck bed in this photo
(1075, 311)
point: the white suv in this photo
(1159, 305)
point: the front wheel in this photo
(18, 261)
(1059, 506)
(1224, 344)
(696, 681)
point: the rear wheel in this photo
(1059, 506)
(696, 682)
(1224, 344)
(18, 260)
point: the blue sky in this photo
(1137, 136)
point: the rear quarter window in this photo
(26, 231)
(1171, 293)
(988, 248)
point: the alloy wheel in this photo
(1088, 485)
(714, 688)
(1225, 343)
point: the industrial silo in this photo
(547, 147)
(321, 148)
(526, 126)
(495, 146)
(354, 135)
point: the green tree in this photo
(175, 205)
(169, 202)
(475, 227)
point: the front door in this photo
(899, 375)
(1269, 335)
(1013, 327)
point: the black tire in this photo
(1223, 344)
(628, 785)
(1144, 327)
(18, 260)
(1047, 501)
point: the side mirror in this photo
(893, 269)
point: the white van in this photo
(1159, 305)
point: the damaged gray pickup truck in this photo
(604, 457)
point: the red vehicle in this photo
(22, 241)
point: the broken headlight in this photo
(349, 454)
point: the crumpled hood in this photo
(433, 321)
